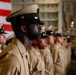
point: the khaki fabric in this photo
(48, 59)
(68, 58)
(37, 66)
(59, 59)
(13, 59)
(26, 10)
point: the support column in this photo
(60, 16)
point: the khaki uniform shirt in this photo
(48, 59)
(13, 59)
(58, 56)
(36, 62)
(68, 58)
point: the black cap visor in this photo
(32, 18)
(50, 32)
(43, 35)
(2, 31)
(59, 34)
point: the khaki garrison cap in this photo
(49, 30)
(43, 33)
(58, 33)
(43, 29)
(29, 14)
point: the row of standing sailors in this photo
(41, 58)
(49, 59)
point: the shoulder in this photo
(10, 60)
(44, 51)
(10, 55)
(32, 51)
(33, 54)
(9, 64)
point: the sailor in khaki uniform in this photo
(2, 38)
(50, 42)
(36, 62)
(58, 55)
(67, 48)
(50, 38)
(46, 54)
(13, 59)
(25, 23)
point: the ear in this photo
(35, 41)
(23, 28)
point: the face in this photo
(50, 39)
(33, 31)
(42, 43)
(60, 39)
(2, 39)
(64, 43)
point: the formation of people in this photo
(35, 49)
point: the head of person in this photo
(2, 36)
(64, 41)
(42, 41)
(26, 22)
(59, 37)
(50, 34)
